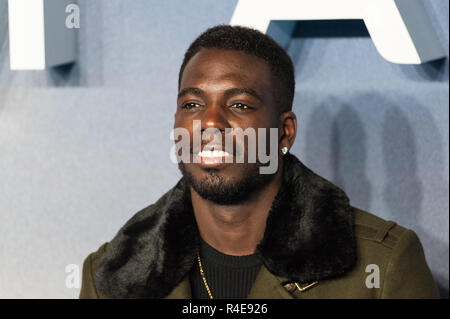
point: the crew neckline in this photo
(212, 255)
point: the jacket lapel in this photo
(268, 286)
(182, 290)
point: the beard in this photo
(224, 191)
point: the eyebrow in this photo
(229, 92)
(247, 91)
(186, 91)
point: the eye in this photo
(241, 106)
(190, 105)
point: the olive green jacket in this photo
(315, 246)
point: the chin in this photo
(225, 186)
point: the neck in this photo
(236, 229)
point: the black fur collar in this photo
(308, 237)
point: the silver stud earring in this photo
(284, 150)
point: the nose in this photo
(214, 117)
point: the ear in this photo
(288, 129)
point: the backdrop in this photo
(84, 147)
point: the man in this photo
(228, 231)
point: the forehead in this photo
(218, 65)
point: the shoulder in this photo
(90, 264)
(97, 255)
(368, 227)
(379, 240)
(390, 263)
(397, 253)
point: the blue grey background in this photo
(84, 147)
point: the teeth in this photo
(213, 153)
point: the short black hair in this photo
(252, 42)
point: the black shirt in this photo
(228, 277)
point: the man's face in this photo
(226, 89)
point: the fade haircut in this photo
(257, 44)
